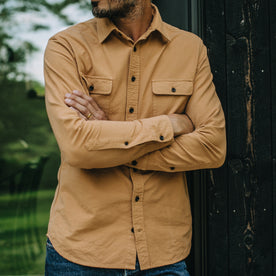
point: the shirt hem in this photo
(72, 259)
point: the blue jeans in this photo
(56, 265)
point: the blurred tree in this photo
(13, 51)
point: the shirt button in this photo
(131, 110)
(133, 79)
(132, 230)
(126, 143)
(134, 49)
(91, 88)
(134, 162)
(162, 138)
(172, 168)
(137, 198)
(173, 90)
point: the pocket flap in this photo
(98, 85)
(174, 88)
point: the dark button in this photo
(131, 110)
(91, 87)
(162, 138)
(134, 162)
(137, 198)
(172, 168)
(126, 143)
(133, 79)
(134, 49)
(173, 90)
(132, 230)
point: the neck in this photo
(137, 22)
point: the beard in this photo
(121, 10)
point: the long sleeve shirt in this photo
(122, 188)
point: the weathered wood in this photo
(262, 183)
(249, 138)
(237, 52)
(272, 8)
(217, 192)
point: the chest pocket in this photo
(100, 89)
(170, 96)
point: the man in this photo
(132, 105)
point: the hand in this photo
(85, 105)
(181, 124)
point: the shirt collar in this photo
(106, 27)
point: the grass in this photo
(25, 136)
(23, 225)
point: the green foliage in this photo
(26, 134)
(13, 52)
(24, 126)
(37, 86)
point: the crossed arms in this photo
(182, 142)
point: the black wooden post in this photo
(241, 39)
(218, 241)
(272, 8)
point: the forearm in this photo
(101, 144)
(200, 149)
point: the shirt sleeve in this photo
(205, 147)
(93, 144)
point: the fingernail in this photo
(67, 100)
(67, 95)
(75, 91)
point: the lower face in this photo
(112, 8)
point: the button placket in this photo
(133, 85)
(138, 215)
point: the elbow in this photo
(76, 156)
(213, 150)
(75, 159)
(218, 154)
(219, 159)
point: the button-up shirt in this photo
(122, 188)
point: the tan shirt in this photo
(121, 184)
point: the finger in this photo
(81, 104)
(77, 98)
(89, 99)
(95, 109)
(89, 104)
(85, 101)
(82, 109)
